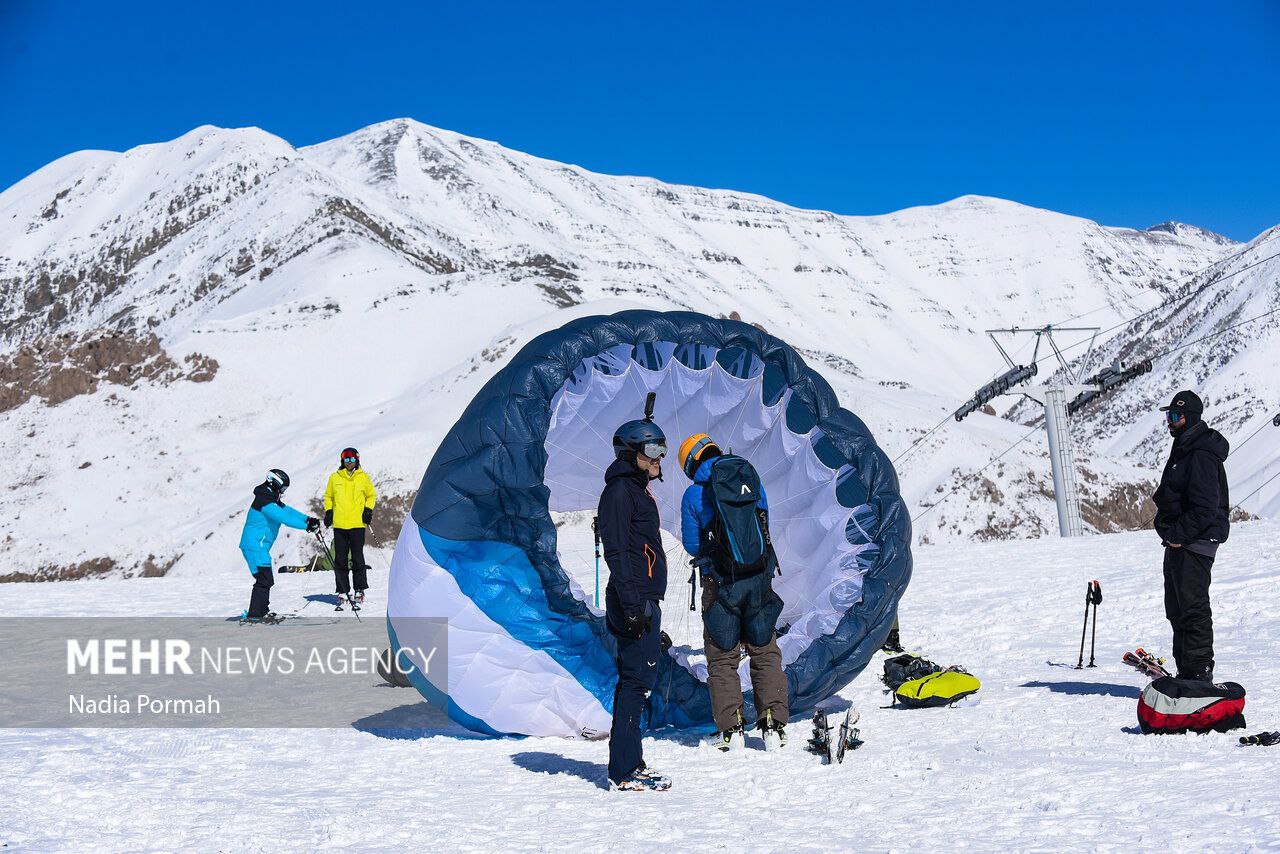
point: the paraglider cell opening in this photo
(824, 546)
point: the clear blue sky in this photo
(1128, 113)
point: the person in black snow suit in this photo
(1192, 519)
(629, 531)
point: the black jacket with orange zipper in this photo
(631, 535)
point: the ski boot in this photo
(271, 618)
(773, 733)
(892, 644)
(359, 597)
(661, 782)
(641, 780)
(724, 740)
(353, 601)
(636, 783)
(1200, 674)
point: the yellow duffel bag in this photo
(936, 689)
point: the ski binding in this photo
(820, 742)
(849, 734)
(1146, 663)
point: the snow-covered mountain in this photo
(361, 290)
(1218, 334)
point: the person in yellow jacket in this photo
(349, 499)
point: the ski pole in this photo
(1088, 597)
(595, 530)
(324, 548)
(333, 563)
(1095, 597)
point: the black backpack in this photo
(738, 537)
(905, 667)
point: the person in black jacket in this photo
(628, 523)
(1192, 519)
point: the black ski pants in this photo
(260, 598)
(637, 675)
(348, 548)
(1186, 604)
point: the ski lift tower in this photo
(1066, 489)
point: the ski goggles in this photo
(346, 460)
(654, 450)
(1174, 416)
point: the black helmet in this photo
(347, 454)
(640, 436)
(278, 481)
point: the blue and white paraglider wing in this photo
(526, 653)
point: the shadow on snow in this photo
(413, 721)
(551, 763)
(1105, 689)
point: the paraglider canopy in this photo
(527, 654)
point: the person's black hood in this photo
(264, 494)
(1201, 437)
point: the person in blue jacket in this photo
(736, 612)
(261, 526)
(629, 531)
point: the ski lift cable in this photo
(1201, 289)
(916, 443)
(1268, 422)
(1078, 404)
(1136, 317)
(966, 478)
(1241, 502)
(1249, 247)
(950, 414)
(1203, 338)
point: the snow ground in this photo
(1047, 758)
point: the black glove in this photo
(635, 624)
(313, 524)
(328, 518)
(367, 515)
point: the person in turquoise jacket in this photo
(261, 526)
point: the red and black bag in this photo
(1170, 705)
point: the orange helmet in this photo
(692, 450)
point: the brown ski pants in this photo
(767, 678)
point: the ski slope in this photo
(1045, 756)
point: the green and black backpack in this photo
(918, 683)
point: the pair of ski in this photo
(271, 619)
(1146, 663)
(351, 600)
(847, 739)
(311, 567)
